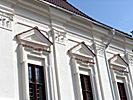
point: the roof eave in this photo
(87, 18)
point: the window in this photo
(86, 87)
(36, 82)
(35, 52)
(83, 62)
(122, 81)
(122, 91)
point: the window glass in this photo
(122, 91)
(31, 91)
(30, 70)
(36, 82)
(86, 87)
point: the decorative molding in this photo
(99, 50)
(83, 58)
(60, 37)
(130, 59)
(35, 41)
(6, 20)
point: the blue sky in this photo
(115, 13)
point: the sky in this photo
(115, 13)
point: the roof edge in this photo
(86, 17)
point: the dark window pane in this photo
(122, 91)
(40, 92)
(84, 96)
(89, 96)
(124, 98)
(82, 82)
(86, 87)
(87, 83)
(39, 75)
(30, 72)
(32, 91)
(36, 82)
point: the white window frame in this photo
(84, 64)
(44, 56)
(122, 78)
(82, 69)
(35, 50)
(120, 73)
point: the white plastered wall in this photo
(75, 29)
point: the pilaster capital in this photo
(60, 37)
(99, 49)
(6, 19)
(130, 59)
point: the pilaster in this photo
(102, 72)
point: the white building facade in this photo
(52, 51)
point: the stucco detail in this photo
(60, 37)
(130, 59)
(6, 20)
(99, 50)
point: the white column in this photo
(77, 79)
(25, 81)
(102, 73)
(51, 83)
(47, 85)
(130, 61)
(97, 82)
(24, 73)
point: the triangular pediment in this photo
(35, 36)
(82, 49)
(118, 60)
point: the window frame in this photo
(85, 69)
(28, 55)
(121, 77)
(40, 54)
(83, 60)
(120, 73)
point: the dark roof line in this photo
(67, 6)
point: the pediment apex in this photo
(118, 60)
(81, 49)
(34, 35)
